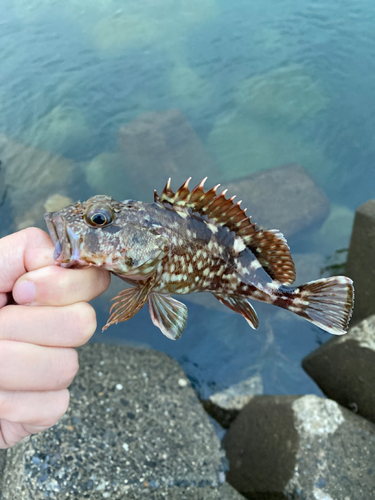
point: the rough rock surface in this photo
(2, 467)
(159, 145)
(361, 260)
(224, 406)
(344, 368)
(134, 429)
(292, 447)
(285, 198)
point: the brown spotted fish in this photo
(192, 241)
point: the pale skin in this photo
(38, 334)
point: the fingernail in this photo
(24, 293)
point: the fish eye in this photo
(99, 216)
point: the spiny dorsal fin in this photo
(270, 247)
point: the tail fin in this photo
(327, 303)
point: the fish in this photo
(192, 241)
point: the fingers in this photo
(56, 286)
(24, 251)
(41, 409)
(36, 410)
(3, 299)
(69, 326)
(29, 367)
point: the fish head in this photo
(104, 233)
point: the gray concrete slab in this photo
(344, 368)
(301, 448)
(361, 261)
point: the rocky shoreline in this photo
(135, 429)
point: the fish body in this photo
(191, 241)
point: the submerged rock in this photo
(135, 429)
(300, 447)
(61, 131)
(187, 86)
(241, 145)
(57, 202)
(286, 93)
(159, 145)
(138, 24)
(107, 174)
(30, 176)
(285, 198)
(344, 368)
(35, 214)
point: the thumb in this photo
(21, 252)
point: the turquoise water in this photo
(261, 84)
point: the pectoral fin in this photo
(168, 314)
(128, 303)
(241, 306)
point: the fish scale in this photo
(192, 241)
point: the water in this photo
(261, 83)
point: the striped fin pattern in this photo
(327, 303)
(270, 247)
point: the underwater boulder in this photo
(241, 145)
(286, 198)
(107, 174)
(287, 93)
(159, 145)
(31, 175)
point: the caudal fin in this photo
(327, 303)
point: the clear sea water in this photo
(261, 83)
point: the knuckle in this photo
(6, 403)
(84, 322)
(59, 403)
(105, 280)
(69, 367)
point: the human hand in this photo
(38, 333)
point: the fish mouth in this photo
(67, 243)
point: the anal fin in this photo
(240, 306)
(129, 302)
(168, 314)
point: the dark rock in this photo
(160, 444)
(300, 447)
(361, 260)
(224, 406)
(163, 144)
(344, 368)
(284, 198)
